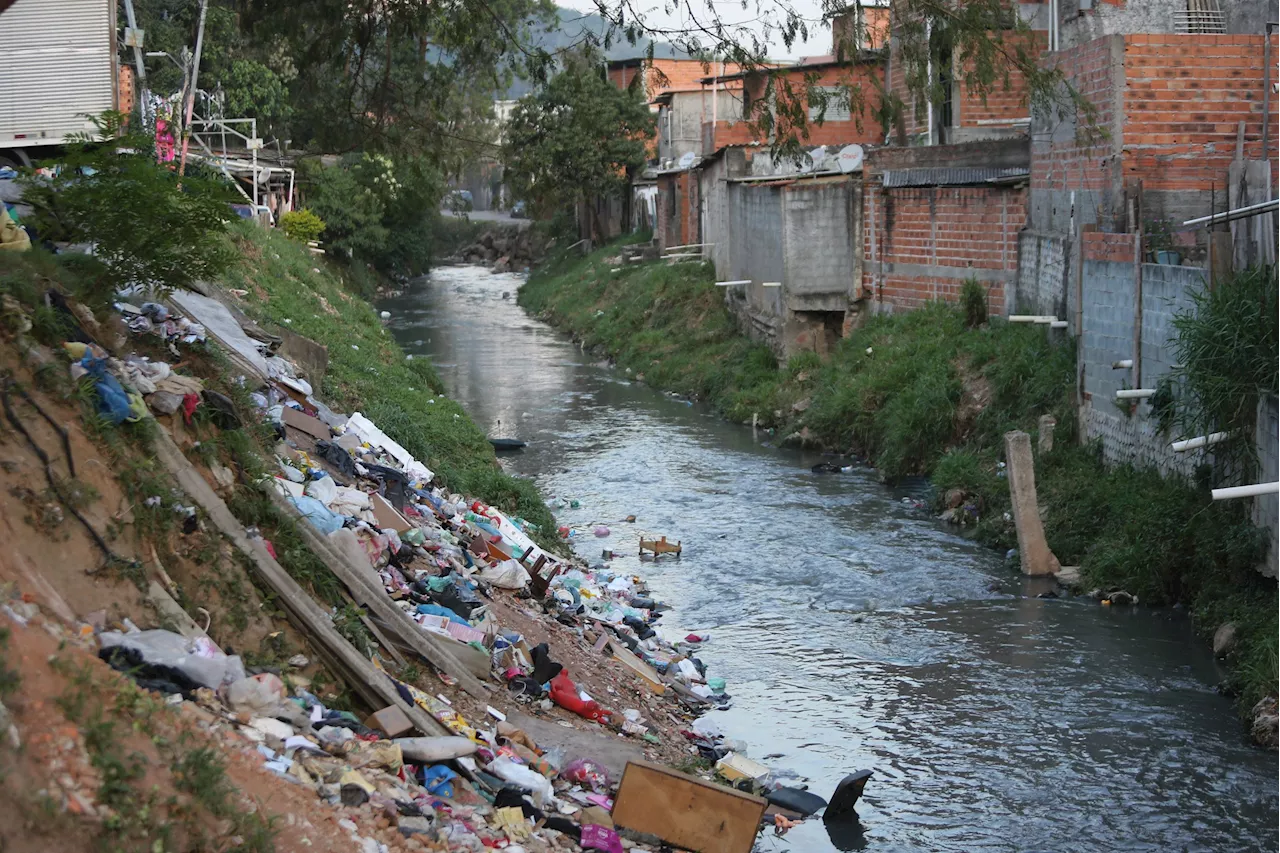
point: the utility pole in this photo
(137, 37)
(191, 92)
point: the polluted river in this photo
(854, 630)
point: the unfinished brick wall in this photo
(1168, 111)
(1067, 157)
(1002, 104)
(1100, 246)
(1184, 99)
(922, 243)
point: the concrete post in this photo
(1033, 550)
(1047, 423)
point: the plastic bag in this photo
(318, 514)
(518, 774)
(324, 490)
(584, 771)
(165, 648)
(506, 575)
(259, 695)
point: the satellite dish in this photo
(687, 160)
(850, 158)
(816, 158)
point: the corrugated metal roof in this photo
(953, 177)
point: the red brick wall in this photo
(972, 231)
(1100, 246)
(862, 125)
(1184, 98)
(1075, 162)
(1001, 103)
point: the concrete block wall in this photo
(1266, 509)
(1046, 277)
(921, 243)
(822, 263)
(756, 250)
(1130, 435)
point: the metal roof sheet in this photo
(954, 176)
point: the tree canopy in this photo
(577, 138)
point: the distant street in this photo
(491, 216)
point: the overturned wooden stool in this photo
(660, 546)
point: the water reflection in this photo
(853, 631)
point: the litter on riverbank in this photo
(553, 676)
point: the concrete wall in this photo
(756, 253)
(714, 190)
(804, 234)
(1150, 16)
(1044, 284)
(1267, 508)
(1108, 337)
(823, 263)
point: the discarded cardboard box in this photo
(387, 515)
(639, 667)
(686, 811)
(391, 720)
(313, 427)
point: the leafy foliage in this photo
(578, 138)
(147, 225)
(1228, 349)
(973, 301)
(302, 225)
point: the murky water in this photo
(856, 632)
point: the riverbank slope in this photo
(925, 393)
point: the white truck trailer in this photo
(58, 67)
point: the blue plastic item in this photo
(438, 780)
(113, 402)
(320, 516)
(437, 610)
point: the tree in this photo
(575, 140)
(147, 226)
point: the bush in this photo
(302, 225)
(973, 301)
(149, 226)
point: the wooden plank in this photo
(313, 427)
(686, 811)
(387, 515)
(639, 667)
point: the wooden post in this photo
(1047, 423)
(1033, 551)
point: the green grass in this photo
(931, 392)
(369, 373)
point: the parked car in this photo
(460, 201)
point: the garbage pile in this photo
(443, 560)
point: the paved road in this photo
(492, 216)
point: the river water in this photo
(855, 631)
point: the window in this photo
(837, 105)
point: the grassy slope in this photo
(935, 397)
(368, 372)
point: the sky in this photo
(732, 12)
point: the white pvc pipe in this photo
(1058, 324)
(688, 246)
(1031, 318)
(1134, 393)
(1246, 491)
(771, 284)
(733, 283)
(1198, 441)
(1123, 364)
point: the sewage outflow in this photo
(857, 632)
